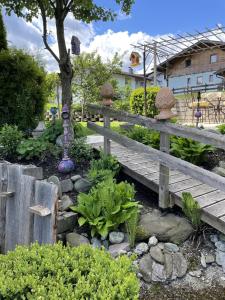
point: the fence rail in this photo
(201, 88)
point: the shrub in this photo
(79, 130)
(36, 149)
(22, 89)
(137, 101)
(52, 131)
(144, 136)
(221, 128)
(57, 272)
(96, 176)
(122, 105)
(76, 107)
(189, 150)
(80, 151)
(10, 138)
(191, 209)
(106, 206)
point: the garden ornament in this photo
(66, 165)
(165, 101)
(53, 111)
(135, 59)
(107, 93)
(75, 45)
(198, 113)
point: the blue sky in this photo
(167, 16)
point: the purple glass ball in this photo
(66, 166)
(198, 114)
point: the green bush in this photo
(79, 130)
(145, 136)
(137, 101)
(55, 272)
(76, 107)
(106, 162)
(80, 152)
(221, 128)
(96, 176)
(106, 206)
(22, 89)
(3, 37)
(122, 105)
(10, 138)
(52, 131)
(36, 149)
(189, 150)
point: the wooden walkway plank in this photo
(217, 209)
(183, 185)
(210, 198)
(197, 190)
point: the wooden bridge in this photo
(167, 175)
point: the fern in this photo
(131, 226)
(191, 209)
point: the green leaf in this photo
(82, 221)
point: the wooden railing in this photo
(166, 160)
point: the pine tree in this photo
(3, 40)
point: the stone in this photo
(168, 228)
(179, 265)
(145, 267)
(197, 273)
(152, 241)
(60, 140)
(171, 247)
(158, 272)
(66, 221)
(74, 239)
(116, 237)
(82, 185)
(105, 243)
(157, 254)
(118, 249)
(220, 245)
(203, 261)
(65, 203)
(96, 243)
(74, 178)
(222, 164)
(219, 171)
(214, 238)
(220, 257)
(168, 257)
(209, 259)
(61, 237)
(222, 237)
(66, 185)
(141, 249)
(55, 180)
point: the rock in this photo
(209, 259)
(203, 261)
(60, 140)
(219, 171)
(116, 237)
(220, 245)
(157, 254)
(145, 267)
(168, 264)
(117, 249)
(105, 243)
(179, 265)
(66, 185)
(66, 221)
(55, 180)
(65, 203)
(158, 272)
(171, 247)
(214, 238)
(82, 185)
(141, 249)
(96, 243)
(169, 228)
(222, 164)
(74, 239)
(222, 237)
(61, 237)
(152, 241)
(197, 273)
(74, 178)
(220, 257)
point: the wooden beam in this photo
(40, 210)
(187, 168)
(203, 136)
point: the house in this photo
(131, 79)
(194, 66)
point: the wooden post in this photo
(107, 148)
(164, 197)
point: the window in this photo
(199, 80)
(210, 78)
(188, 81)
(213, 58)
(187, 62)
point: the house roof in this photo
(138, 76)
(199, 46)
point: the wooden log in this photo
(187, 168)
(46, 195)
(203, 136)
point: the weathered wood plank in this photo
(217, 209)
(171, 162)
(45, 227)
(40, 210)
(107, 149)
(3, 188)
(183, 185)
(203, 136)
(210, 198)
(197, 190)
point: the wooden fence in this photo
(27, 207)
(166, 160)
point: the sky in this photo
(148, 19)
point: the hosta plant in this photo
(106, 162)
(191, 209)
(106, 206)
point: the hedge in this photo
(137, 104)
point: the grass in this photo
(115, 126)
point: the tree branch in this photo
(45, 31)
(67, 8)
(52, 4)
